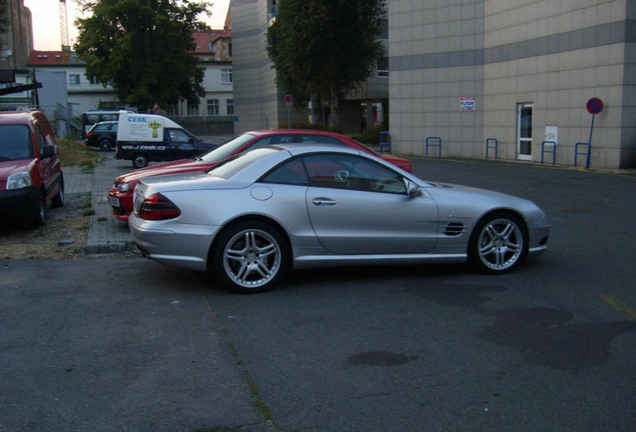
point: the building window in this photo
(173, 110)
(272, 11)
(213, 107)
(193, 110)
(383, 67)
(383, 25)
(230, 106)
(73, 79)
(226, 76)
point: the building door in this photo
(524, 131)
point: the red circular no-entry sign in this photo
(594, 106)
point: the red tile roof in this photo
(204, 39)
(52, 58)
(49, 58)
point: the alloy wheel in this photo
(252, 258)
(500, 244)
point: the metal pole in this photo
(288, 117)
(589, 142)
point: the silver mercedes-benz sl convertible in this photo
(261, 213)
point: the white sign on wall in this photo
(468, 103)
(552, 134)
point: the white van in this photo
(142, 138)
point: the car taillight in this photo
(89, 134)
(158, 207)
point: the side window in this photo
(39, 136)
(178, 136)
(352, 172)
(292, 172)
(321, 139)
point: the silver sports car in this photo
(262, 212)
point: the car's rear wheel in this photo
(498, 243)
(251, 256)
(104, 144)
(140, 160)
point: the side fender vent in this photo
(454, 229)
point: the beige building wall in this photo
(562, 54)
(555, 55)
(433, 49)
(255, 93)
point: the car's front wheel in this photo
(58, 199)
(250, 256)
(140, 160)
(39, 216)
(498, 243)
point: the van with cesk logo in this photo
(142, 138)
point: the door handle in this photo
(323, 201)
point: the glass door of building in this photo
(524, 131)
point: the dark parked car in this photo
(102, 135)
(30, 171)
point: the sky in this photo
(46, 21)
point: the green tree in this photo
(143, 49)
(329, 47)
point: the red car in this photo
(120, 196)
(31, 175)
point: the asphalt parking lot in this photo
(109, 342)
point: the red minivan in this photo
(30, 171)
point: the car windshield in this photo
(235, 164)
(15, 143)
(228, 149)
(101, 127)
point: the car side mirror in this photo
(47, 152)
(412, 190)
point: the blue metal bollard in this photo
(385, 141)
(429, 143)
(492, 143)
(545, 150)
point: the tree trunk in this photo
(333, 114)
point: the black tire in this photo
(58, 199)
(104, 144)
(140, 160)
(498, 243)
(39, 216)
(250, 256)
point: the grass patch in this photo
(75, 153)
